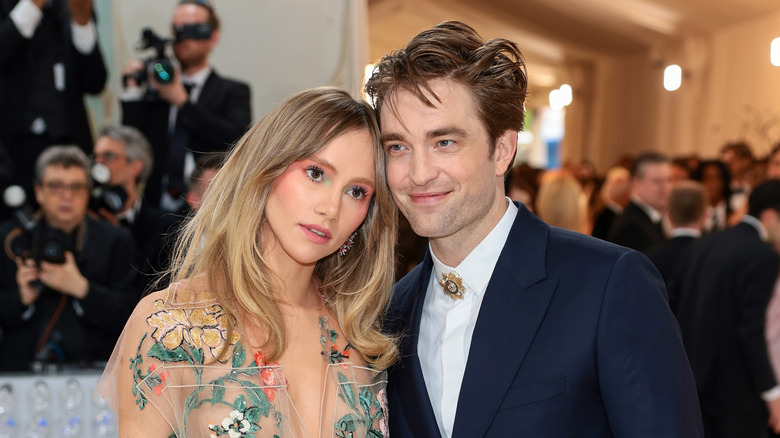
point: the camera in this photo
(105, 196)
(34, 239)
(159, 65)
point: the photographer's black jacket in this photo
(218, 119)
(87, 329)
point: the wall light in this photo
(567, 94)
(672, 77)
(556, 99)
(774, 55)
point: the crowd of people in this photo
(523, 301)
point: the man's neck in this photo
(193, 69)
(452, 249)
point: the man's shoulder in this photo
(226, 82)
(104, 230)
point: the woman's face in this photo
(712, 178)
(318, 202)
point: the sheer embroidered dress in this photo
(166, 362)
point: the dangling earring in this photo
(348, 244)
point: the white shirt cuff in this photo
(26, 17)
(772, 394)
(132, 94)
(84, 37)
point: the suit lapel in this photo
(514, 305)
(416, 403)
(209, 88)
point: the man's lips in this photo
(428, 197)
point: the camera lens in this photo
(53, 252)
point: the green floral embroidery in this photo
(333, 354)
(367, 410)
(180, 343)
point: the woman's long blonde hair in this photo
(224, 239)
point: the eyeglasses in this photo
(106, 157)
(59, 187)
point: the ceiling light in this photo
(672, 77)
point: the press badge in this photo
(59, 76)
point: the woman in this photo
(717, 180)
(272, 326)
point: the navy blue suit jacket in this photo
(574, 338)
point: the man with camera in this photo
(190, 112)
(66, 287)
(49, 58)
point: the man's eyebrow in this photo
(443, 132)
(384, 138)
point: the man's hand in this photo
(26, 274)
(174, 92)
(134, 66)
(80, 11)
(39, 3)
(774, 414)
(65, 278)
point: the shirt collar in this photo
(654, 214)
(130, 213)
(477, 268)
(682, 231)
(199, 78)
(751, 220)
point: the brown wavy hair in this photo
(494, 71)
(224, 239)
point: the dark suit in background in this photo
(87, 329)
(220, 116)
(574, 338)
(666, 258)
(723, 296)
(28, 92)
(603, 222)
(634, 229)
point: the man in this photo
(182, 125)
(738, 157)
(128, 156)
(49, 58)
(723, 297)
(536, 331)
(205, 170)
(69, 310)
(686, 215)
(639, 226)
(615, 194)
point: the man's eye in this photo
(445, 143)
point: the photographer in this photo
(127, 154)
(182, 125)
(49, 58)
(66, 287)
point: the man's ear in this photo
(504, 154)
(137, 166)
(38, 196)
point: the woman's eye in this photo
(357, 192)
(315, 173)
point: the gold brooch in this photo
(452, 285)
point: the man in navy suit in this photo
(511, 327)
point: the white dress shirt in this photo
(447, 325)
(26, 17)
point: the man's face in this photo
(112, 153)
(192, 52)
(654, 185)
(438, 163)
(63, 196)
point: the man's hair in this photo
(740, 149)
(211, 161)
(213, 20)
(763, 197)
(687, 203)
(136, 148)
(639, 166)
(494, 71)
(65, 156)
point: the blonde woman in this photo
(561, 202)
(272, 326)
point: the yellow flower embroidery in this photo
(196, 327)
